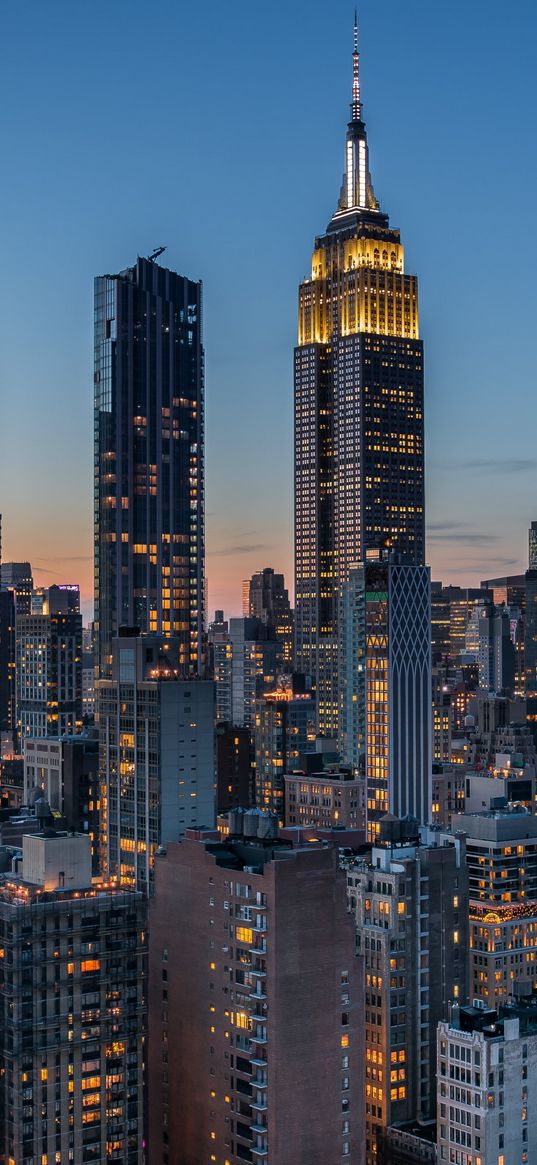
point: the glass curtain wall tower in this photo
(149, 471)
(359, 457)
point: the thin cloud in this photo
(447, 525)
(481, 539)
(509, 465)
(66, 558)
(241, 548)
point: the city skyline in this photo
(478, 463)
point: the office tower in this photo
(332, 797)
(246, 1003)
(487, 1084)
(284, 730)
(149, 454)
(359, 458)
(72, 991)
(451, 608)
(219, 665)
(49, 664)
(352, 669)
(501, 852)
(8, 700)
(387, 677)
(268, 600)
(509, 590)
(254, 651)
(157, 755)
(17, 576)
(66, 770)
(409, 896)
(234, 768)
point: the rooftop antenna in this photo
(356, 104)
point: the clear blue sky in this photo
(218, 130)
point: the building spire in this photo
(356, 106)
(357, 192)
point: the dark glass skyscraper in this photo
(359, 458)
(149, 471)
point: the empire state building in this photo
(359, 451)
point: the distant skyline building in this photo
(157, 755)
(149, 460)
(451, 608)
(532, 547)
(17, 576)
(359, 453)
(496, 651)
(8, 693)
(268, 600)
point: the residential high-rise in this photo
(246, 1003)
(254, 651)
(359, 455)
(386, 684)
(234, 767)
(49, 664)
(88, 675)
(72, 994)
(501, 852)
(330, 798)
(409, 895)
(284, 730)
(487, 1084)
(219, 653)
(66, 769)
(157, 755)
(149, 460)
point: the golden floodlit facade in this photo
(359, 452)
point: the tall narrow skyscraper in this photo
(359, 458)
(149, 472)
